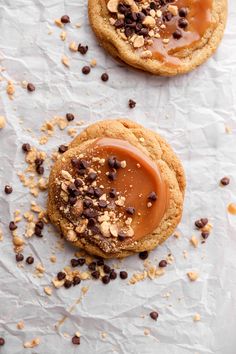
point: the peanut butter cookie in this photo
(117, 190)
(164, 37)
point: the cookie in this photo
(117, 190)
(162, 37)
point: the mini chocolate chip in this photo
(81, 261)
(183, 12)
(95, 274)
(26, 147)
(82, 49)
(177, 34)
(143, 32)
(113, 193)
(12, 226)
(30, 87)
(91, 222)
(104, 77)
(183, 23)
(40, 224)
(76, 280)
(87, 203)
(111, 161)
(121, 236)
(106, 269)
(123, 9)
(102, 204)
(78, 183)
(81, 171)
(61, 275)
(19, 257)
(76, 340)
(152, 196)
(67, 284)
(38, 162)
(163, 263)
(132, 103)
(112, 175)
(90, 192)
(98, 192)
(74, 262)
(8, 189)
(70, 117)
(92, 176)
(65, 19)
(62, 149)
(38, 231)
(154, 315)
(205, 235)
(129, 31)
(72, 200)
(153, 5)
(113, 275)
(75, 162)
(92, 266)
(123, 274)
(100, 262)
(40, 170)
(117, 164)
(119, 24)
(106, 279)
(30, 260)
(225, 181)
(86, 70)
(201, 223)
(167, 16)
(143, 255)
(73, 191)
(2, 341)
(130, 210)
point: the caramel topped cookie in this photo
(165, 37)
(110, 195)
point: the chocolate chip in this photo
(70, 117)
(75, 162)
(205, 235)
(87, 203)
(92, 176)
(225, 181)
(30, 87)
(102, 204)
(113, 275)
(113, 193)
(90, 192)
(152, 196)
(112, 175)
(123, 274)
(30, 260)
(95, 274)
(62, 149)
(143, 255)
(40, 170)
(8, 189)
(92, 266)
(121, 236)
(83, 164)
(26, 147)
(153, 5)
(167, 16)
(76, 340)
(183, 12)
(183, 23)
(12, 226)
(163, 263)
(86, 70)
(61, 275)
(104, 77)
(65, 19)
(106, 269)
(38, 231)
(82, 49)
(123, 9)
(67, 284)
(154, 315)
(201, 223)
(19, 257)
(91, 222)
(2, 341)
(143, 32)
(38, 161)
(98, 192)
(119, 24)
(78, 183)
(72, 200)
(106, 279)
(130, 210)
(72, 190)
(74, 262)
(81, 261)
(40, 224)
(111, 161)
(129, 31)
(76, 280)
(117, 164)
(132, 103)
(177, 34)
(100, 262)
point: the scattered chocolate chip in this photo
(117, 164)
(111, 175)
(19, 257)
(225, 181)
(167, 16)
(105, 76)
(26, 147)
(98, 192)
(74, 262)
(76, 280)
(8, 189)
(201, 223)
(82, 49)
(86, 70)
(102, 204)
(62, 149)
(92, 176)
(38, 231)
(81, 261)
(91, 222)
(121, 236)
(100, 262)
(177, 34)
(76, 340)
(30, 260)
(105, 279)
(61, 275)
(40, 224)
(119, 24)
(2, 341)
(152, 196)
(130, 210)
(90, 213)
(65, 19)
(12, 226)
(113, 275)
(72, 200)
(111, 161)
(205, 235)
(30, 87)
(68, 284)
(132, 103)
(78, 183)
(183, 23)
(38, 162)
(106, 269)
(70, 117)
(143, 255)
(154, 315)
(163, 263)
(40, 170)
(113, 193)
(123, 274)
(183, 12)
(92, 266)
(90, 192)
(95, 274)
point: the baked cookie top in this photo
(165, 37)
(106, 193)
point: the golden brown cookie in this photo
(117, 190)
(163, 37)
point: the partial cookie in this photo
(117, 190)
(164, 37)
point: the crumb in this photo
(194, 241)
(65, 61)
(32, 344)
(53, 259)
(73, 47)
(20, 325)
(2, 122)
(59, 23)
(93, 63)
(146, 332)
(193, 276)
(48, 290)
(196, 317)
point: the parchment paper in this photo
(191, 112)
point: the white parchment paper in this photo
(191, 112)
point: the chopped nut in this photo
(71, 236)
(123, 164)
(146, 332)
(34, 343)
(58, 283)
(114, 230)
(65, 61)
(48, 290)
(112, 5)
(149, 21)
(196, 317)
(138, 42)
(2, 122)
(173, 9)
(73, 47)
(146, 54)
(93, 63)
(59, 23)
(67, 175)
(194, 241)
(17, 241)
(20, 325)
(63, 35)
(105, 229)
(193, 276)
(10, 89)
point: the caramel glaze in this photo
(199, 19)
(135, 182)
